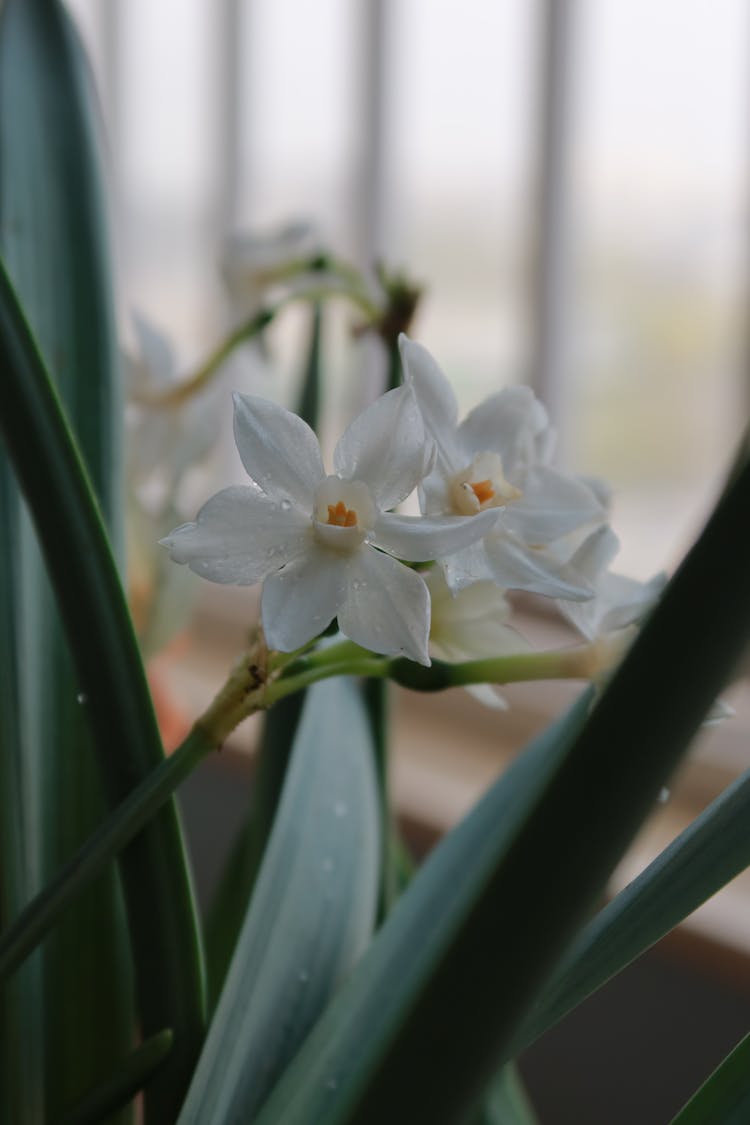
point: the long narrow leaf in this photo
(703, 858)
(724, 1098)
(121, 1086)
(229, 907)
(160, 905)
(363, 1020)
(311, 914)
(506, 1102)
(21, 1003)
(54, 242)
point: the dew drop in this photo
(285, 505)
(664, 795)
(340, 808)
(82, 697)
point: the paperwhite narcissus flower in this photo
(252, 260)
(163, 440)
(497, 459)
(470, 625)
(325, 544)
(618, 601)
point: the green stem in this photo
(185, 389)
(581, 662)
(245, 692)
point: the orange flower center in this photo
(341, 516)
(483, 490)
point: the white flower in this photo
(497, 459)
(470, 625)
(163, 440)
(324, 544)
(618, 601)
(252, 260)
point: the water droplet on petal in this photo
(285, 505)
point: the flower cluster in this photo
(495, 516)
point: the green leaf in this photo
(703, 858)
(362, 1022)
(121, 1086)
(433, 1006)
(506, 1102)
(229, 907)
(311, 913)
(109, 673)
(140, 806)
(724, 1098)
(79, 995)
(21, 1001)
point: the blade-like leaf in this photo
(703, 858)
(117, 703)
(21, 1000)
(501, 920)
(724, 1098)
(311, 913)
(363, 1019)
(229, 907)
(121, 1086)
(506, 1102)
(52, 238)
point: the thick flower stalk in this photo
(497, 459)
(324, 545)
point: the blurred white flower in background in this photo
(251, 261)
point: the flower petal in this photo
(279, 451)
(619, 601)
(512, 423)
(301, 600)
(386, 446)
(551, 506)
(467, 566)
(422, 538)
(472, 623)
(518, 567)
(387, 607)
(436, 401)
(238, 537)
(157, 363)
